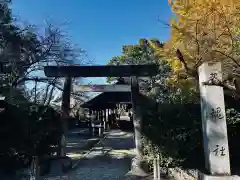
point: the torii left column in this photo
(65, 110)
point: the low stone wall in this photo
(182, 174)
(189, 174)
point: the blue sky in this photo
(100, 27)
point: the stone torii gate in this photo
(132, 71)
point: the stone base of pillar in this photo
(62, 146)
(202, 176)
(139, 167)
(66, 165)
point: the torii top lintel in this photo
(101, 71)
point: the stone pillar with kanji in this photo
(214, 126)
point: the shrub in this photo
(174, 132)
(24, 134)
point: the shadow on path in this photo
(110, 159)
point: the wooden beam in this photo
(101, 71)
(103, 88)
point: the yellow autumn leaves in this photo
(203, 30)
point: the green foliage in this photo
(141, 53)
(172, 131)
(172, 128)
(171, 112)
(24, 53)
(26, 133)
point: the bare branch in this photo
(228, 56)
(46, 80)
(221, 84)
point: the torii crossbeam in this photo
(101, 71)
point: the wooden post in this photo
(34, 168)
(108, 122)
(100, 129)
(155, 175)
(93, 129)
(105, 119)
(89, 120)
(214, 127)
(158, 168)
(65, 113)
(138, 162)
(101, 116)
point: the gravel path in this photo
(109, 160)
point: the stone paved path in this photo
(109, 160)
(78, 141)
